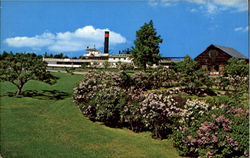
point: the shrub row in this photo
(117, 100)
(198, 129)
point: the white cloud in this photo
(193, 10)
(241, 29)
(210, 7)
(153, 3)
(42, 40)
(67, 41)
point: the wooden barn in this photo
(215, 57)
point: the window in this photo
(216, 68)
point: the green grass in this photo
(48, 124)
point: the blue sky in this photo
(186, 26)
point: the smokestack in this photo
(106, 42)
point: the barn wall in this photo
(213, 59)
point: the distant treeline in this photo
(60, 55)
(6, 54)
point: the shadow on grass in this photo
(43, 95)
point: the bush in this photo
(108, 104)
(100, 99)
(159, 114)
(142, 80)
(162, 77)
(125, 66)
(192, 110)
(131, 114)
(191, 76)
(87, 89)
(224, 134)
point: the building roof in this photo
(234, 53)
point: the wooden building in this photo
(215, 58)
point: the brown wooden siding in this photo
(212, 56)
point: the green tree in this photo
(4, 55)
(191, 76)
(20, 68)
(238, 73)
(146, 50)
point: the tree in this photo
(191, 76)
(59, 56)
(20, 68)
(238, 74)
(125, 51)
(146, 50)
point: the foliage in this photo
(23, 67)
(237, 67)
(5, 54)
(223, 82)
(157, 78)
(59, 56)
(222, 132)
(84, 65)
(125, 66)
(70, 70)
(146, 50)
(142, 80)
(159, 114)
(108, 104)
(191, 76)
(218, 128)
(162, 77)
(106, 64)
(238, 74)
(92, 90)
(130, 114)
(192, 110)
(125, 51)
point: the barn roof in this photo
(234, 53)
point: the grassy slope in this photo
(43, 126)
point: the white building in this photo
(93, 57)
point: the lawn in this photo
(46, 123)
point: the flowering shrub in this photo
(160, 77)
(94, 81)
(86, 89)
(192, 110)
(218, 135)
(142, 80)
(93, 92)
(108, 103)
(155, 111)
(131, 114)
(159, 113)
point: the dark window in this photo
(216, 68)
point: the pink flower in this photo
(215, 139)
(209, 154)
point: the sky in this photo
(187, 27)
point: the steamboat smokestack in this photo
(106, 42)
